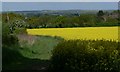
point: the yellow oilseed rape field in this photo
(87, 33)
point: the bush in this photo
(9, 40)
(7, 37)
(20, 31)
(86, 56)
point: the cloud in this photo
(60, 0)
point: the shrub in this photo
(9, 40)
(7, 37)
(86, 56)
(20, 31)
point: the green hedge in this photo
(86, 56)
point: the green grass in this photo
(40, 49)
(27, 56)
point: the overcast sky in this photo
(22, 6)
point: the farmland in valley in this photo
(88, 33)
(60, 40)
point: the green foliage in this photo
(10, 55)
(86, 56)
(109, 22)
(100, 13)
(20, 31)
(8, 38)
(61, 21)
(87, 20)
(10, 46)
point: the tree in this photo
(100, 13)
(100, 17)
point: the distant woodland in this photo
(61, 19)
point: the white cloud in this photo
(59, 0)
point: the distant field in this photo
(88, 33)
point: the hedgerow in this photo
(86, 56)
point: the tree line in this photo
(102, 18)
